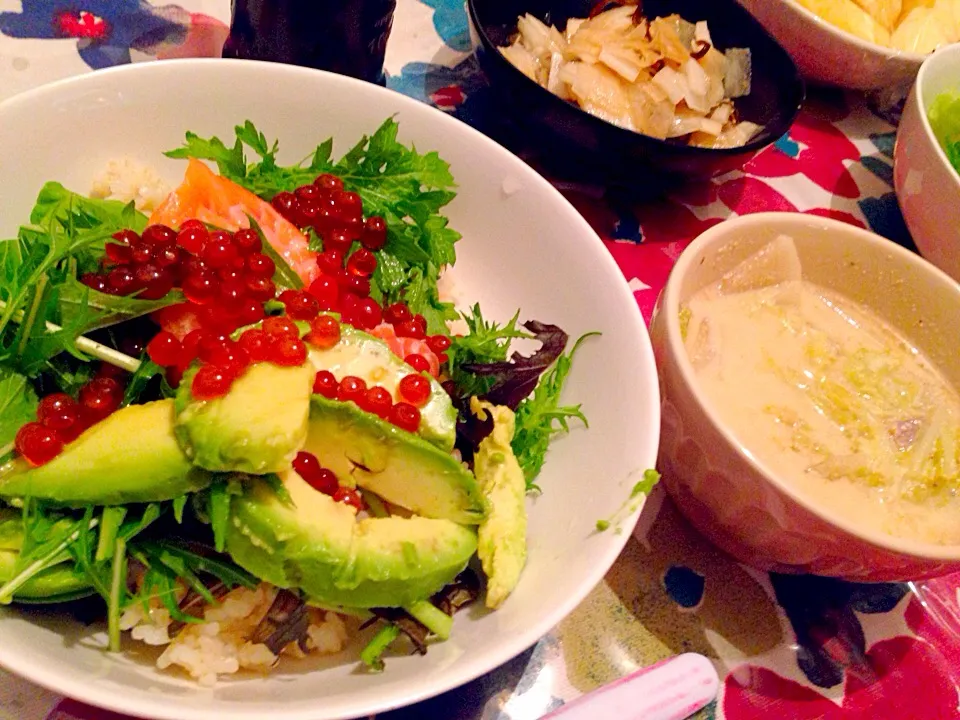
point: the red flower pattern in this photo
(823, 155)
(938, 623)
(746, 195)
(83, 24)
(837, 215)
(72, 710)
(902, 678)
(448, 97)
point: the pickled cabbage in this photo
(662, 77)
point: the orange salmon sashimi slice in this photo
(213, 199)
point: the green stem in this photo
(31, 316)
(118, 581)
(434, 619)
(371, 655)
(110, 521)
(14, 465)
(102, 352)
(90, 347)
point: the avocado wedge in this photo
(400, 467)
(362, 355)
(257, 427)
(318, 545)
(130, 457)
(502, 536)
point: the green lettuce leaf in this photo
(18, 405)
(74, 212)
(97, 309)
(944, 117)
(39, 271)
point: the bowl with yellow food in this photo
(859, 44)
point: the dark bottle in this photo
(344, 36)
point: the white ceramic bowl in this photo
(827, 55)
(928, 187)
(742, 504)
(524, 246)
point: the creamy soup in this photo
(829, 396)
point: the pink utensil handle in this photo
(670, 690)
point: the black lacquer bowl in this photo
(566, 137)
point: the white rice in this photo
(220, 645)
(125, 179)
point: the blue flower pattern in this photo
(421, 80)
(450, 22)
(787, 146)
(132, 24)
(883, 213)
(823, 613)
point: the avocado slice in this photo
(130, 457)
(502, 536)
(59, 583)
(400, 467)
(364, 356)
(318, 545)
(257, 427)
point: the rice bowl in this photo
(566, 556)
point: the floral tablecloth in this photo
(795, 648)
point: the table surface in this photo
(792, 647)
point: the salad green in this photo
(188, 414)
(944, 117)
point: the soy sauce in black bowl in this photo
(575, 144)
